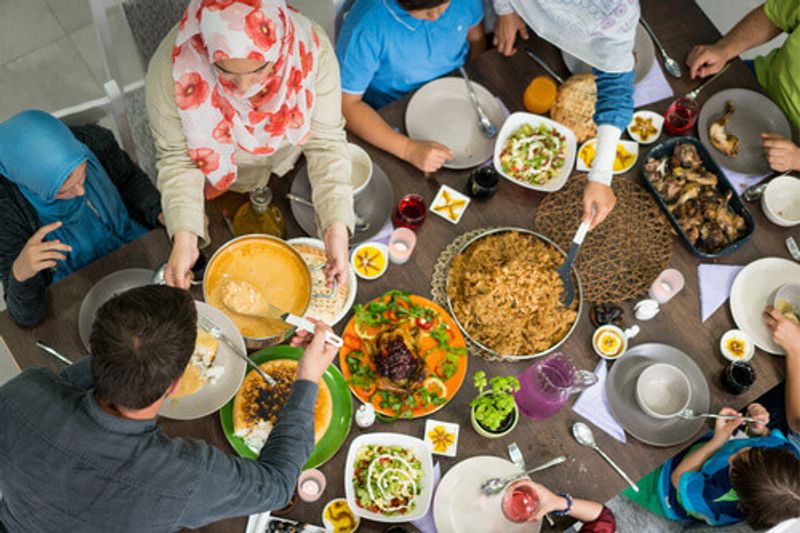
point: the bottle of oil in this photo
(260, 215)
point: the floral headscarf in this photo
(215, 116)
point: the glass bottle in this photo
(259, 215)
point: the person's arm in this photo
(506, 27)
(692, 462)
(476, 37)
(786, 334)
(583, 510)
(137, 191)
(80, 373)
(753, 30)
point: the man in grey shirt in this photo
(80, 451)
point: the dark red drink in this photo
(520, 502)
(410, 212)
(681, 116)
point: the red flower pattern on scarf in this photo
(222, 133)
(261, 29)
(206, 159)
(190, 91)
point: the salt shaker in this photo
(365, 415)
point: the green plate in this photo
(340, 419)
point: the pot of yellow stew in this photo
(274, 269)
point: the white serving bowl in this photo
(663, 390)
(781, 201)
(514, 121)
(361, 168)
(749, 347)
(419, 447)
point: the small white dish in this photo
(609, 342)
(663, 390)
(420, 448)
(361, 165)
(383, 263)
(781, 201)
(743, 339)
(629, 146)
(646, 309)
(657, 122)
(432, 427)
(330, 526)
(514, 121)
(449, 204)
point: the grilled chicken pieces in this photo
(725, 142)
(399, 367)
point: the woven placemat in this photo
(622, 257)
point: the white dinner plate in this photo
(212, 396)
(442, 111)
(460, 507)
(752, 291)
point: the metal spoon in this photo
(361, 224)
(487, 127)
(544, 65)
(495, 485)
(689, 414)
(692, 95)
(672, 66)
(52, 351)
(755, 192)
(159, 279)
(210, 328)
(584, 436)
(565, 270)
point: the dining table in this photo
(680, 24)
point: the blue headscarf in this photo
(38, 153)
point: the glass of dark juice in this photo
(410, 212)
(483, 183)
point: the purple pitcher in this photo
(546, 385)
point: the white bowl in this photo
(781, 201)
(658, 124)
(361, 168)
(514, 121)
(329, 525)
(749, 347)
(663, 390)
(381, 247)
(630, 146)
(615, 330)
(422, 451)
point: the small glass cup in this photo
(681, 116)
(738, 377)
(401, 245)
(483, 183)
(520, 502)
(410, 212)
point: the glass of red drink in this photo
(681, 116)
(410, 212)
(520, 501)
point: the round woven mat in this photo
(622, 257)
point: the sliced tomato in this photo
(352, 341)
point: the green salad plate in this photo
(340, 419)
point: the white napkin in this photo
(653, 88)
(742, 181)
(592, 405)
(257, 523)
(715, 286)
(9, 368)
(426, 523)
(384, 234)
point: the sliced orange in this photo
(434, 384)
(540, 95)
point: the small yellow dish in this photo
(339, 518)
(627, 153)
(370, 260)
(609, 342)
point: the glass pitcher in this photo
(259, 215)
(546, 385)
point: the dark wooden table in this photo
(679, 24)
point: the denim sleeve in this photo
(80, 373)
(232, 486)
(614, 98)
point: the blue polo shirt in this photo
(385, 53)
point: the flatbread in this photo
(256, 400)
(325, 309)
(574, 106)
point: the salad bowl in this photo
(420, 502)
(559, 177)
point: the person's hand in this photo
(506, 28)
(598, 202)
(178, 272)
(724, 428)
(163, 221)
(336, 243)
(428, 156)
(317, 355)
(39, 254)
(782, 154)
(760, 413)
(548, 502)
(705, 60)
(785, 332)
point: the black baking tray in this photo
(723, 186)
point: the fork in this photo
(689, 414)
(217, 333)
(692, 95)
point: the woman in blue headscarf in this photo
(66, 199)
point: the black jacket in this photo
(19, 221)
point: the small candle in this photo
(667, 285)
(310, 485)
(401, 245)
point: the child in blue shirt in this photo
(388, 48)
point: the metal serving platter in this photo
(517, 357)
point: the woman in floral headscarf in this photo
(234, 93)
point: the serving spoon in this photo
(585, 437)
(565, 270)
(493, 486)
(485, 125)
(243, 298)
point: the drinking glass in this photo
(520, 501)
(483, 183)
(738, 376)
(681, 116)
(410, 212)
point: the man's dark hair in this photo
(413, 5)
(141, 342)
(767, 481)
